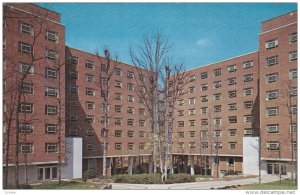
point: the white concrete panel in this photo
(251, 155)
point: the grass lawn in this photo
(285, 185)
(68, 185)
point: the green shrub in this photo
(138, 178)
(230, 172)
(181, 178)
(89, 175)
(25, 186)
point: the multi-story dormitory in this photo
(226, 107)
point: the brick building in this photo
(225, 108)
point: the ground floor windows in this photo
(276, 168)
(47, 172)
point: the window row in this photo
(205, 145)
(28, 148)
(273, 43)
(119, 146)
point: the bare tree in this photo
(106, 71)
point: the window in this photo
(90, 119)
(217, 121)
(130, 133)
(293, 73)
(293, 91)
(247, 118)
(293, 56)
(26, 148)
(118, 71)
(270, 61)
(74, 118)
(26, 127)
(26, 88)
(26, 108)
(271, 44)
(217, 84)
(89, 64)
(204, 98)
(203, 133)
(272, 111)
(204, 87)
(232, 106)
(141, 111)
(104, 107)
(232, 132)
(118, 108)
(232, 94)
(118, 84)
(130, 122)
(51, 55)
(192, 123)
(131, 98)
(104, 120)
(142, 123)
(192, 145)
(26, 28)
(90, 147)
(217, 133)
(232, 119)
(191, 89)
(217, 96)
(248, 131)
(293, 37)
(25, 48)
(74, 60)
(191, 111)
(51, 92)
(192, 78)
(89, 91)
(130, 146)
(180, 102)
(272, 95)
(217, 72)
(272, 77)
(192, 101)
(204, 121)
(118, 133)
(248, 104)
(192, 133)
(181, 145)
(217, 108)
(180, 123)
(4, 42)
(142, 89)
(90, 105)
(51, 73)
(204, 75)
(51, 110)
(52, 36)
(142, 78)
(89, 78)
(294, 109)
(73, 89)
(248, 64)
(118, 96)
(293, 127)
(130, 75)
(118, 121)
(272, 128)
(232, 68)
(232, 81)
(248, 78)
(181, 92)
(204, 145)
(141, 146)
(74, 75)
(51, 129)
(118, 146)
(130, 110)
(232, 146)
(181, 134)
(272, 145)
(248, 91)
(26, 69)
(218, 145)
(130, 86)
(141, 133)
(203, 110)
(51, 147)
(104, 94)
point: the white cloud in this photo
(202, 42)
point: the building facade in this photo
(228, 110)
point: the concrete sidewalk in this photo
(193, 186)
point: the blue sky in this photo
(200, 33)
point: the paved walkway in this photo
(192, 186)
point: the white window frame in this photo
(270, 44)
(51, 129)
(272, 128)
(248, 64)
